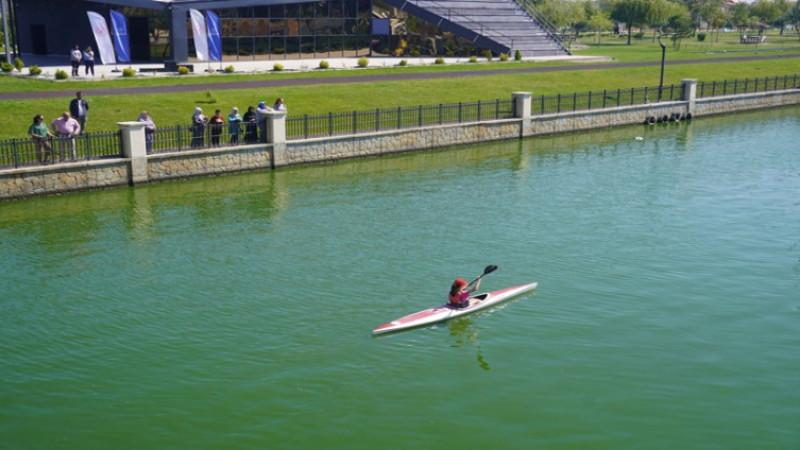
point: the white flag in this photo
(103, 38)
(199, 34)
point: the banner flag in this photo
(199, 34)
(120, 28)
(102, 37)
(214, 40)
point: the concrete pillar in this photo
(134, 147)
(276, 136)
(689, 93)
(522, 110)
(178, 33)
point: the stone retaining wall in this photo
(139, 168)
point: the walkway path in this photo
(362, 78)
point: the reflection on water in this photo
(466, 333)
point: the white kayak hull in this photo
(447, 312)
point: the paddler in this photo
(459, 295)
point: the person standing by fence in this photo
(234, 121)
(261, 117)
(198, 127)
(66, 128)
(149, 130)
(79, 108)
(215, 123)
(249, 119)
(41, 137)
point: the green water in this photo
(235, 312)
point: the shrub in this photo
(18, 64)
(503, 57)
(277, 67)
(61, 75)
(229, 69)
(183, 70)
(324, 64)
(517, 56)
(487, 54)
(439, 61)
(363, 61)
(701, 37)
(128, 72)
(403, 62)
(414, 53)
(473, 59)
(34, 70)
(639, 36)
(6, 67)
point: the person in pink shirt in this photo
(459, 293)
(66, 128)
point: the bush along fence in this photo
(17, 153)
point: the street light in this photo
(663, 56)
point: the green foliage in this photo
(277, 67)
(34, 71)
(230, 69)
(503, 57)
(701, 37)
(487, 54)
(183, 70)
(61, 75)
(363, 61)
(6, 67)
(517, 56)
(18, 64)
(473, 59)
(128, 72)
(403, 62)
(439, 61)
(324, 64)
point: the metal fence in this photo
(26, 152)
(747, 86)
(333, 124)
(554, 104)
(187, 137)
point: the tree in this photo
(643, 12)
(598, 22)
(793, 17)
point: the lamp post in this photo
(663, 57)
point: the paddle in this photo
(489, 269)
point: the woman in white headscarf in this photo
(234, 119)
(149, 129)
(198, 127)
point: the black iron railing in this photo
(355, 122)
(747, 86)
(27, 152)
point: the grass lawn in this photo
(174, 108)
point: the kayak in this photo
(446, 311)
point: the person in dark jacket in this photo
(78, 109)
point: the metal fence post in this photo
(460, 112)
(419, 115)
(87, 143)
(355, 123)
(479, 110)
(15, 152)
(558, 109)
(399, 117)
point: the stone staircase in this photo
(502, 26)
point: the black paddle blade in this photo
(489, 269)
